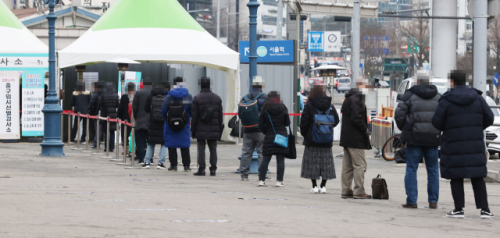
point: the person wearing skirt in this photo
(318, 158)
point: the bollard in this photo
(132, 161)
(62, 126)
(124, 162)
(77, 133)
(107, 140)
(117, 142)
(88, 136)
(97, 135)
(69, 129)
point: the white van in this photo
(343, 84)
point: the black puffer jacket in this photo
(213, 129)
(354, 121)
(93, 109)
(322, 103)
(123, 108)
(280, 120)
(80, 101)
(155, 128)
(463, 115)
(138, 105)
(414, 116)
(109, 104)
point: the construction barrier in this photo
(381, 132)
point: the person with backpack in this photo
(463, 115)
(109, 104)
(273, 121)
(413, 117)
(176, 110)
(316, 126)
(355, 138)
(249, 110)
(156, 125)
(80, 100)
(141, 118)
(206, 125)
(123, 114)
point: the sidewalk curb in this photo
(493, 176)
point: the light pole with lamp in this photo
(52, 146)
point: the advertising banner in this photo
(9, 105)
(130, 77)
(33, 100)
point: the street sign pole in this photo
(355, 42)
(480, 44)
(253, 5)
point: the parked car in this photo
(343, 84)
(493, 132)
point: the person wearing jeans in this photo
(149, 156)
(413, 117)
(156, 125)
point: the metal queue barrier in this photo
(381, 132)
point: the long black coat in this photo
(322, 103)
(213, 129)
(138, 109)
(354, 122)
(280, 120)
(123, 108)
(463, 115)
(94, 103)
(109, 104)
(155, 128)
(80, 101)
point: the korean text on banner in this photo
(33, 100)
(9, 105)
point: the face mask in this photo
(131, 97)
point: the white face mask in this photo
(131, 97)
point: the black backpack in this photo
(156, 104)
(206, 114)
(177, 117)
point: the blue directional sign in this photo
(495, 80)
(276, 51)
(315, 41)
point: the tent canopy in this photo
(149, 31)
(15, 38)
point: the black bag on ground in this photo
(206, 115)
(177, 117)
(400, 156)
(292, 150)
(156, 104)
(379, 188)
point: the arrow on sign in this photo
(496, 80)
(247, 50)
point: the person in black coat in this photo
(354, 137)
(80, 101)
(318, 158)
(273, 120)
(462, 116)
(141, 118)
(207, 131)
(93, 109)
(109, 104)
(122, 113)
(156, 125)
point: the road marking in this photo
(150, 209)
(216, 221)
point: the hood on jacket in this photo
(424, 91)
(462, 96)
(357, 93)
(178, 93)
(76, 93)
(158, 91)
(274, 108)
(321, 103)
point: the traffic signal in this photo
(293, 17)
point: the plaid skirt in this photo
(318, 162)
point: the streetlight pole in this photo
(480, 44)
(355, 41)
(252, 7)
(52, 146)
(218, 20)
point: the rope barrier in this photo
(66, 112)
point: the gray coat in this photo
(414, 116)
(138, 108)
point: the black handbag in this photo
(234, 123)
(292, 151)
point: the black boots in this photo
(212, 172)
(200, 173)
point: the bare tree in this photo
(417, 34)
(494, 41)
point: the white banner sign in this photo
(33, 102)
(23, 62)
(9, 105)
(333, 41)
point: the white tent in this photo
(154, 31)
(15, 38)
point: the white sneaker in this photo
(315, 190)
(280, 184)
(323, 190)
(262, 183)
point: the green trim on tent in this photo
(146, 14)
(8, 19)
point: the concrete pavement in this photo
(85, 196)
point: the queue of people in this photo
(169, 116)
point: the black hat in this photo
(178, 80)
(205, 82)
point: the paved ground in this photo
(85, 196)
